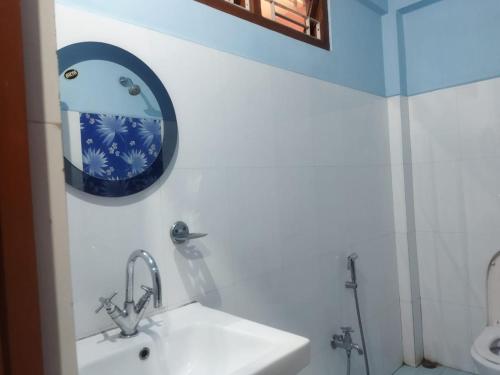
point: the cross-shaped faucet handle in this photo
(105, 301)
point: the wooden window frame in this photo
(254, 16)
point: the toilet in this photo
(486, 348)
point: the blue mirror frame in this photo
(84, 51)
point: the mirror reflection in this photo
(112, 122)
(119, 124)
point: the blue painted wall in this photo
(356, 59)
(439, 43)
(382, 4)
(452, 42)
(379, 6)
(443, 43)
(391, 49)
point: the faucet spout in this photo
(155, 277)
(358, 349)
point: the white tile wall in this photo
(434, 127)
(404, 228)
(455, 139)
(408, 332)
(449, 330)
(287, 174)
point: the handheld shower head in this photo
(351, 259)
(351, 267)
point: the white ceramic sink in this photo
(195, 340)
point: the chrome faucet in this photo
(128, 318)
(344, 341)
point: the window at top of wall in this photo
(305, 20)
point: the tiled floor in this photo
(424, 371)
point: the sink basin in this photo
(195, 340)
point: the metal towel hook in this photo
(179, 233)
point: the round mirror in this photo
(119, 124)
